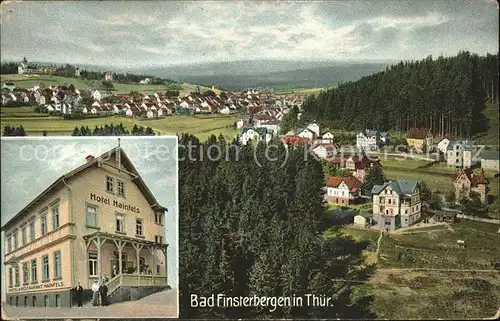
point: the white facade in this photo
(327, 137)
(306, 133)
(443, 145)
(324, 151)
(314, 128)
(368, 141)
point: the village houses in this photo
(467, 181)
(418, 137)
(460, 154)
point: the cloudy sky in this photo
(142, 34)
(24, 160)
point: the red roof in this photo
(418, 133)
(295, 140)
(336, 160)
(363, 162)
(352, 182)
(475, 179)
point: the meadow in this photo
(203, 126)
(28, 81)
(399, 292)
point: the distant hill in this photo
(239, 75)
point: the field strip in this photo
(434, 270)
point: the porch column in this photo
(120, 245)
(152, 250)
(164, 250)
(98, 244)
(138, 248)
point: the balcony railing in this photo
(135, 280)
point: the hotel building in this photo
(99, 221)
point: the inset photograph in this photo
(89, 227)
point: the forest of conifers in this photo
(251, 227)
(447, 95)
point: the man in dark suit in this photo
(79, 294)
(103, 291)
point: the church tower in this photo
(23, 67)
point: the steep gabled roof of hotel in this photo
(125, 162)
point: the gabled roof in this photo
(125, 162)
(352, 182)
(475, 179)
(418, 133)
(401, 187)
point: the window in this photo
(55, 216)
(14, 240)
(57, 264)
(58, 300)
(46, 301)
(121, 188)
(406, 211)
(110, 184)
(387, 222)
(11, 278)
(142, 265)
(418, 207)
(120, 224)
(9, 243)
(158, 269)
(32, 230)
(159, 216)
(25, 301)
(91, 216)
(16, 276)
(389, 201)
(25, 273)
(93, 264)
(33, 271)
(24, 236)
(138, 227)
(45, 268)
(43, 224)
(159, 239)
(34, 301)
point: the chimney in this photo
(89, 158)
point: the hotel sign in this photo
(115, 203)
(37, 287)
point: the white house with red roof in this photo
(343, 190)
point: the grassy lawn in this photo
(24, 111)
(201, 126)
(427, 229)
(307, 91)
(407, 294)
(28, 81)
(439, 249)
(431, 295)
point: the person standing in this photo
(79, 294)
(103, 291)
(95, 293)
